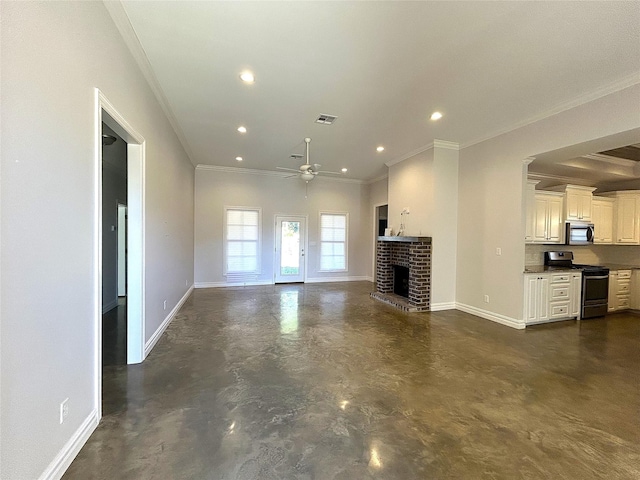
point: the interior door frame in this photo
(305, 219)
(376, 206)
(106, 113)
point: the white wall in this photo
(491, 212)
(53, 56)
(427, 184)
(276, 195)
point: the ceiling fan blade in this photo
(330, 173)
(291, 176)
(287, 169)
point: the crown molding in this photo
(613, 87)
(377, 179)
(612, 160)
(435, 144)
(528, 160)
(131, 40)
(271, 173)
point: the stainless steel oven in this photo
(595, 291)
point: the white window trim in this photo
(224, 240)
(346, 241)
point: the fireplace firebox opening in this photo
(401, 281)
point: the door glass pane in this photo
(290, 248)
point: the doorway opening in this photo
(114, 252)
(290, 260)
(119, 212)
(380, 224)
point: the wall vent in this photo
(325, 119)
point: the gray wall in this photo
(491, 202)
(276, 195)
(54, 54)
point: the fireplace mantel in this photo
(402, 238)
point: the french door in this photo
(290, 249)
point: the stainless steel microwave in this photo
(579, 233)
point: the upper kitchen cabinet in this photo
(547, 218)
(530, 217)
(602, 215)
(626, 217)
(577, 202)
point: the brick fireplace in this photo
(413, 253)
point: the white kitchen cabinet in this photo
(530, 218)
(619, 290)
(602, 217)
(635, 289)
(578, 202)
(612, 300)
(547, 218)
(626, 217)
(576, 294)
(552, 296)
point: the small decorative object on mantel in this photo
(388, 232)
(405, 211)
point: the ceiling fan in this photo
(307, 171)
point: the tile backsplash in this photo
(589, 254)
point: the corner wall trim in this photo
(437, 307)
(59, 465)
(163, 326)
(494, 317)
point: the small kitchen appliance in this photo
(595, 283)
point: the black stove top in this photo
(565, 260)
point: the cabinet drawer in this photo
(560, 278)
(559, 292)
(624, 287)
(559, 310)
(624, 274)
(623, 302)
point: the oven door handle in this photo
(597, 278)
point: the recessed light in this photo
(239, 159)
(344, 170)
(436, 116)
(247, 77)
(242, 129)
(380, 148)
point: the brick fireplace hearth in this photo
(413, 253)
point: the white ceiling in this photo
(381, 67)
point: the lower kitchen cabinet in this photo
(552, 296)
(620, 290)
(635, 289)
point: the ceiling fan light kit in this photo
(307, 171)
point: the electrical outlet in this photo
(498, 251)
(486, 299)
(64, 410)
(164, 305)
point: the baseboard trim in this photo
(231, 284)
(59, 465)
(109, 306)
(436, 307)
(165, 323)
(494, 317)
(338, 279)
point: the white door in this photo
(290, 249)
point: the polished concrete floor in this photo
(114, 334)
(322, 382)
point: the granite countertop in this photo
(618, 266)
(545, 268)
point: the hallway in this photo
(318, 381)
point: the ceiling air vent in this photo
(326, 119)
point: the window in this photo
(333, 241)
(242, 242)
